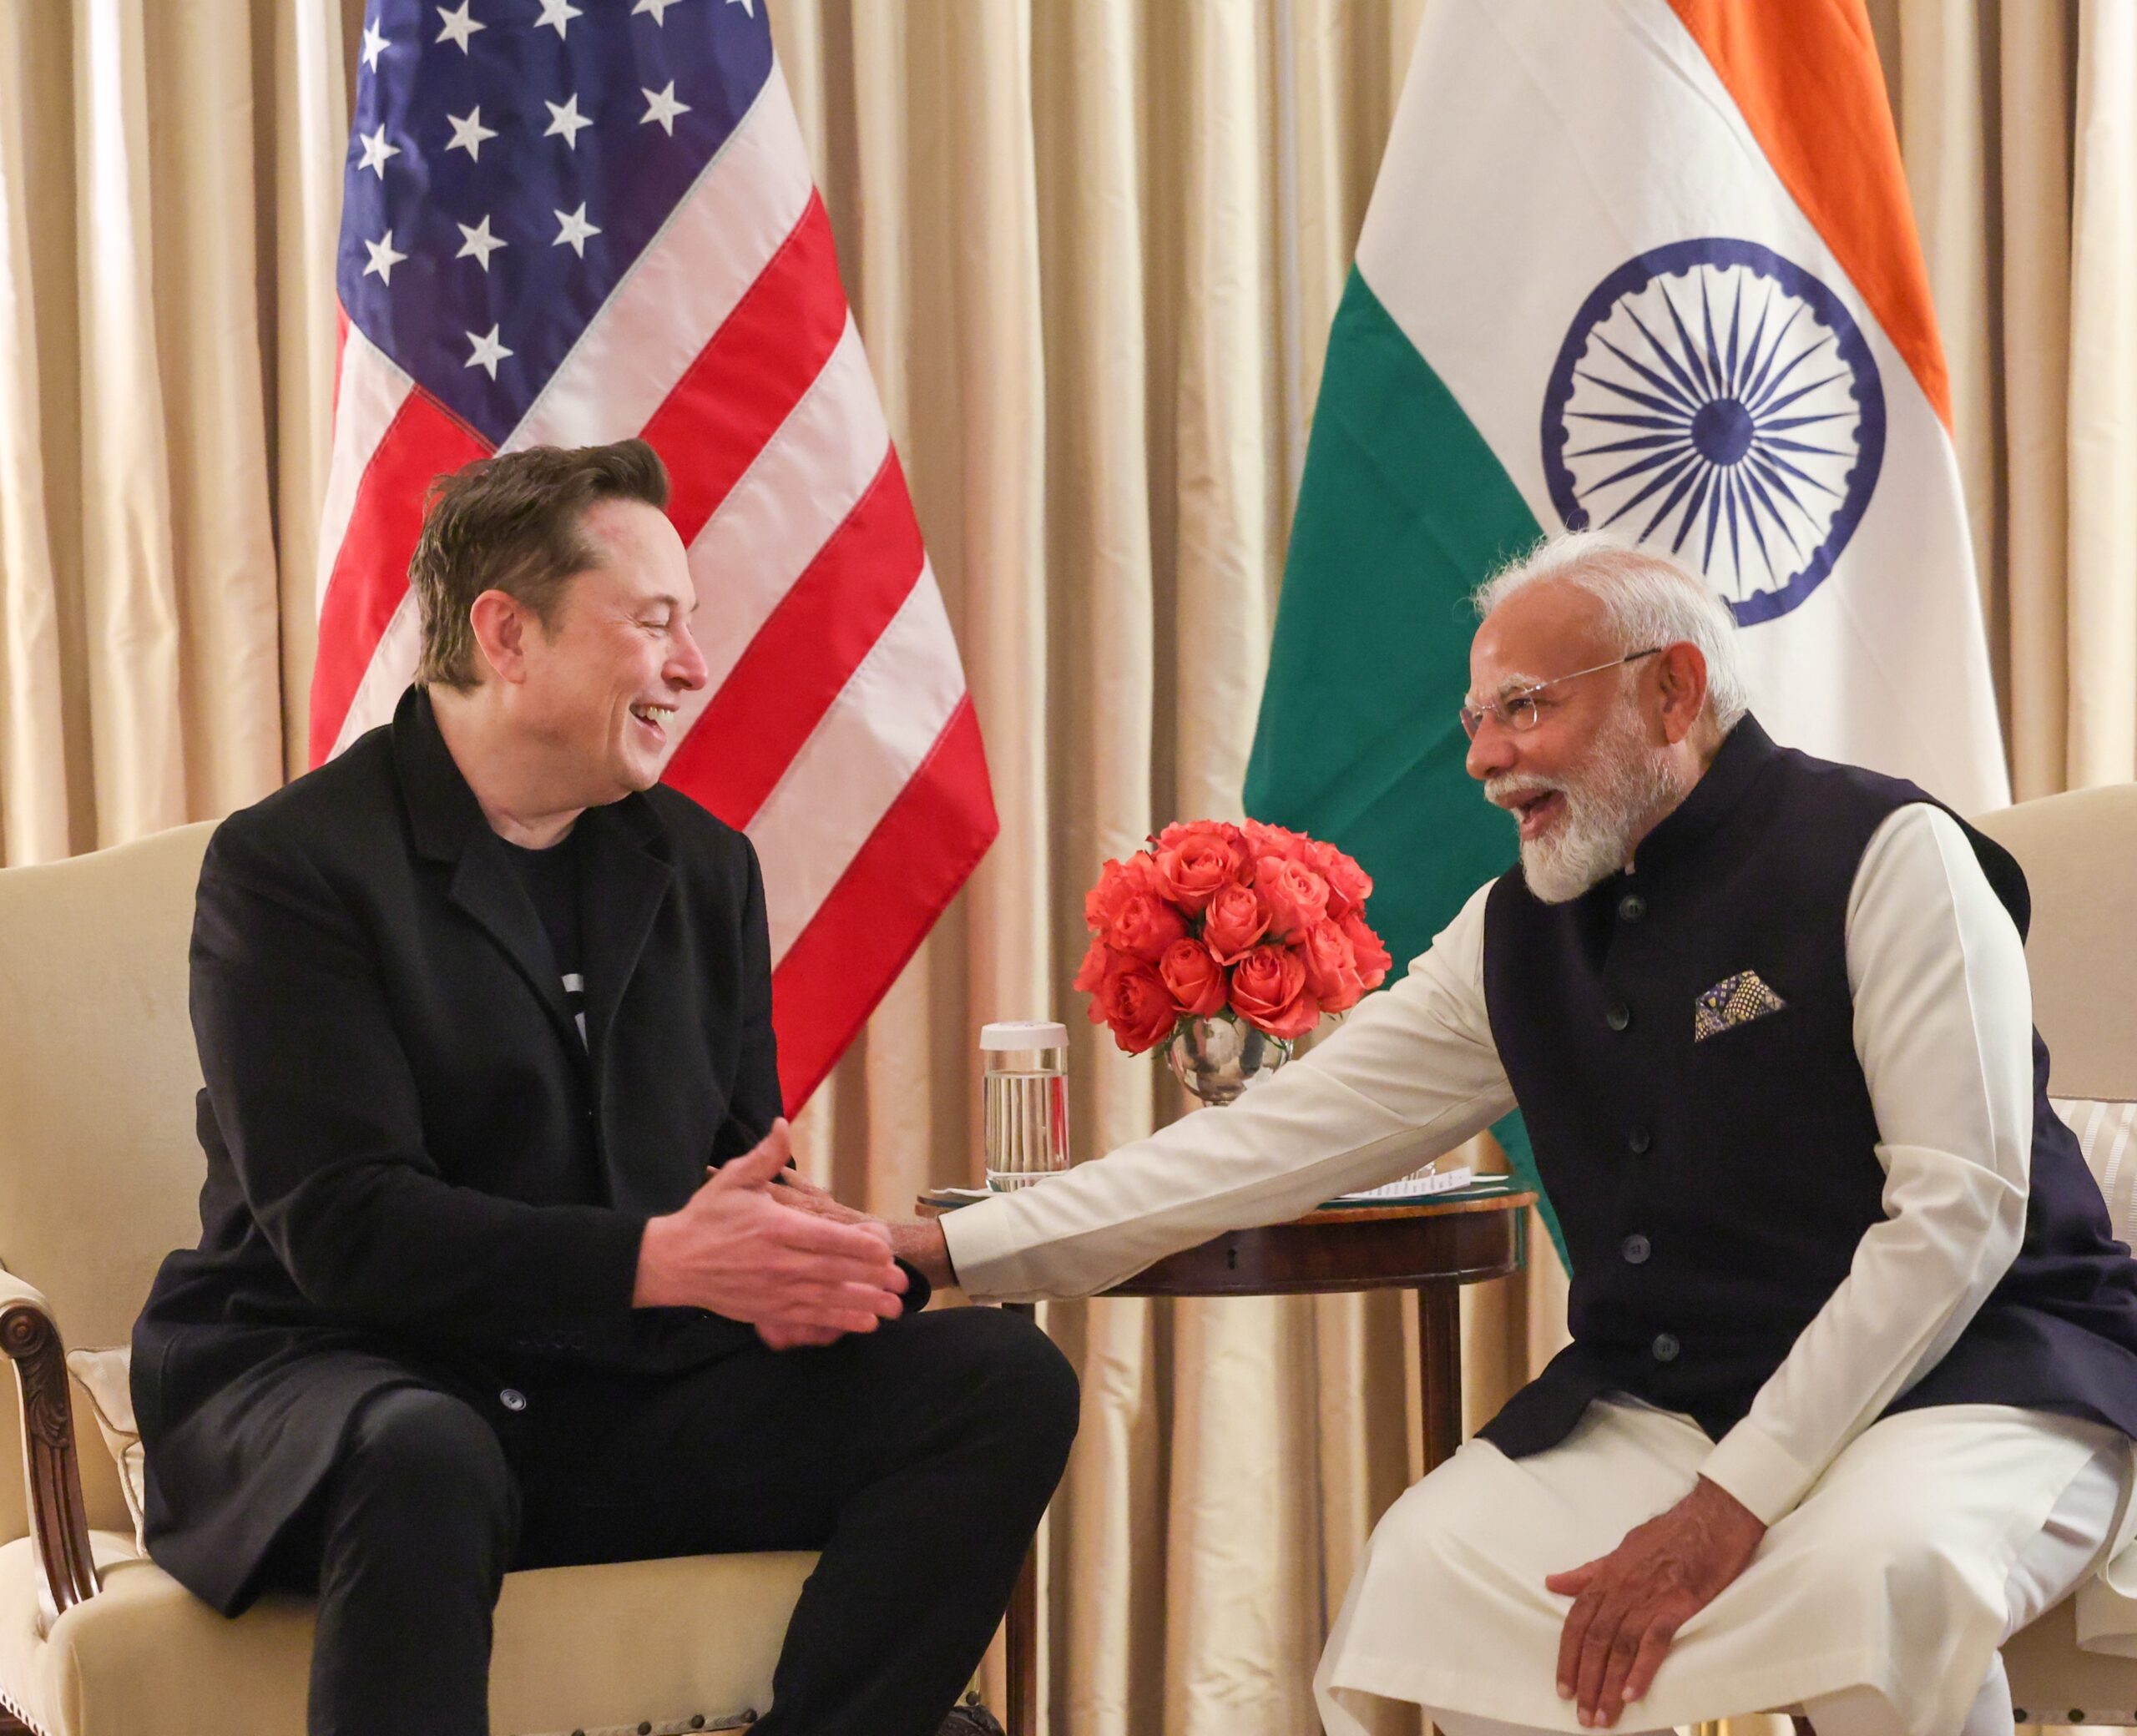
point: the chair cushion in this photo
(2107, 1133)
(103, 1376)
(585, 1649)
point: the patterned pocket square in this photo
(1734, 1000)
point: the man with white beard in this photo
(1853, 1376)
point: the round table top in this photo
(1515, 1200)
(1345, 1248)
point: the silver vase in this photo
(1217, 1058)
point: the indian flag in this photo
(1650, 265)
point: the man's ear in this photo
(1680, 673)
(501, 622)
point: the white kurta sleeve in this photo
(1412, 1073)
(1943, 1028)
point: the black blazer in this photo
(417, 1171)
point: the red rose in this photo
(1346, 880)
(1296, 895)
(1195, 979)
(1135, 1002)
(1236, 919)
(1146, 924)
(1372, 958)
(1196, 858)
(1331, 967)
(1349, 886)
(1269, 991)
(1272, 840)
(1098, 961)
(1118, 882)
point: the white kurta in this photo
(1894, 1577)
(1944, 1029)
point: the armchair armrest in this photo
(59, 1524)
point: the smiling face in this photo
(602, 682)
(1597, 770)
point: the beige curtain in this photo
(1094, 246)
(169, 188)
(2019, 125)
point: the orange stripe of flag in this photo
(1805, 76)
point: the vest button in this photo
(1637, 1141)
(1635, 1250)
(512, 1399)
(1666, 1347)
(1617, 1016)
(1632, 907)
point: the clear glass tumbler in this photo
(1023, 1102)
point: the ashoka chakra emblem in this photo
(1714, 400)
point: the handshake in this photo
(759, 1243)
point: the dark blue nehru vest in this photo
(1713, 1192)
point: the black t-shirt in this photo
(551, 877)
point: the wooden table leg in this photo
(1439, 1369)
(1020, 1646)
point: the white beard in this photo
(1620, 788)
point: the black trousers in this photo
(917, 1459)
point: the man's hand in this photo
(919, 1245)
(797, 1277)
(1629, 1605)
(790, 1187)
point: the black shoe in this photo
(972, 1719)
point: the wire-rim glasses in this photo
(1519, 710)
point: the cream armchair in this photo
(2079, 852)
(98, 1171)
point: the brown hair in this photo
(511, 523)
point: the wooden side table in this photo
(1433, 1247)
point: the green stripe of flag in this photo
(1402, 510)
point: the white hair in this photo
(1648, 599)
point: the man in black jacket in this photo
(477, 1004)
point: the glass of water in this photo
(1023, 1102)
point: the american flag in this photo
(568, 221)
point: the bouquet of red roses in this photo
(1255, 922)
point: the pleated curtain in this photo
(1093, 247)
(2019, 129)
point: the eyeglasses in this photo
(1519, 710)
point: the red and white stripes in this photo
(836, 728)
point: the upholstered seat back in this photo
(100, 1172)
(2079, 852)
